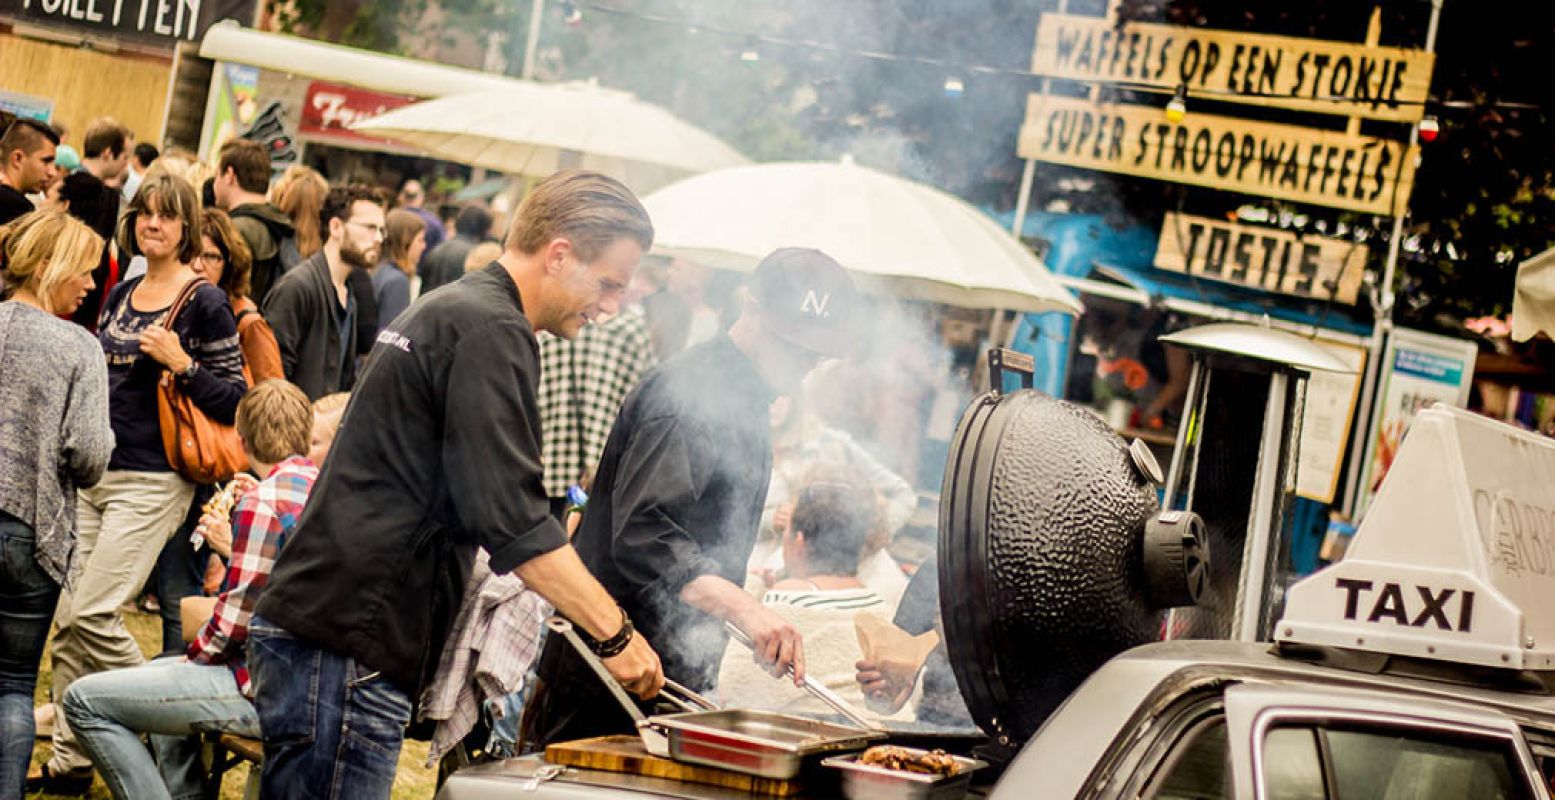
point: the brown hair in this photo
(43, 249)
(340, 200)
(589, 209)
(105, 135)
(400, 229)
(26, 135)
(248, 161)
(236, 275)
(300, 195)
(275, 421)
(163, 191)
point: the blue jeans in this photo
(332, 727)
(27, 599)
(170, 699)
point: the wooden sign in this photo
(1346, 78)
(1262, 258)
(1325, 168)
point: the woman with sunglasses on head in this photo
(54, 418)
(126, 519)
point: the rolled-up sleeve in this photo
(651, 549)
(491, 447)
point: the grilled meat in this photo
(933, 762)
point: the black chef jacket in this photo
(678, 494)
(438, 453)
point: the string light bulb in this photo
(750, 53)
(1177, 107)
(571, 14)
(1428, 129)
(954, 87)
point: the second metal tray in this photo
(763, 743)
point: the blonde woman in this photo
(54, 419)
(125, 520)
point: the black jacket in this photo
(678, 495)
(302, 312)
(439, 453)
(13, 204)
(444, 264)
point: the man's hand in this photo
(775, 641)
(885, 689)
(782, 518)
(638, 668)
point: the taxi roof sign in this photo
(1455, 559)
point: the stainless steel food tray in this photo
(762, 743)
(868, 782)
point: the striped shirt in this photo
(261, 520)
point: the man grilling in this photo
(679, 491)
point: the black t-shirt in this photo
(13, 204)
(678, 494)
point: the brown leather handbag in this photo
(199, 448)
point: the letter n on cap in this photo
(815, 304)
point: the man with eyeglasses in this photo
(312, 310)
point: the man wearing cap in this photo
(679, 491)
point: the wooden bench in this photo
(227, 751)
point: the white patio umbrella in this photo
(1533, 298)
(535, 129)
(899, 238)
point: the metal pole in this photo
(536, 13)
(1027, 177)
(1255, 551)
(1384, 322)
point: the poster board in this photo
(1264, 258)
(1417, 370)
(1330, 77)
(1286, 162)
(1327, 415)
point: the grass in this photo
(413, 781)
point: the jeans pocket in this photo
(286, 687)
(379, 711)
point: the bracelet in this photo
(615, 645)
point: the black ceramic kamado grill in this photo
(1054, 553)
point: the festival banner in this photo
(1347, 78)
(1286, 162)
(1270, 259)
(329, 110)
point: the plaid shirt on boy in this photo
(261, 519)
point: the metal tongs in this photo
(818, 691)
(654, 738)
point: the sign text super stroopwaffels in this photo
(1347, 78)
(1262, 258)
(1286, 162)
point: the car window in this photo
(1198, 768)
(1323, 763)
(1292, 768)
(1392, 765)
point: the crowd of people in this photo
(402, 399)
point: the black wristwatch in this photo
(615, 645)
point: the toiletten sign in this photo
(1347, 78)
(163, 22)
(1270, 259)
(1286, 162)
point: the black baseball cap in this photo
(807, 299)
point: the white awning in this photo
(293, 55)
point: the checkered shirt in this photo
(261, 520)
(582, 384)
